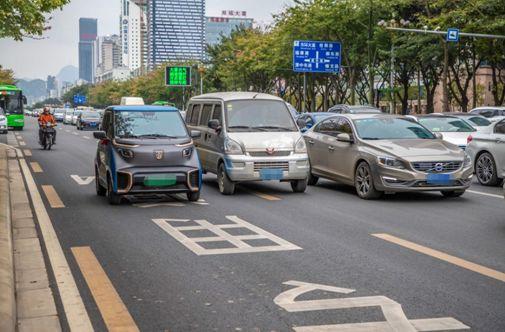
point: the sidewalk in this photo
(26, 296)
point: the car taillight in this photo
(469, 139)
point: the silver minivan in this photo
(248, 136)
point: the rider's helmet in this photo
(45, 110)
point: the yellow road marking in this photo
(444, 257)
(113, 310)
(36, 167)
(52, 197)
(262, 195)
(27, 152)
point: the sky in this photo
(39, 58)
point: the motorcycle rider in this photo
(44, 118)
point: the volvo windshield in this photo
(258, 115)
(149, 125)
(390, 129)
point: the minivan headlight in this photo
(232, 147)
(468, 160)
(390, 162)
(300, 146)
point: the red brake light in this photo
(469, 139)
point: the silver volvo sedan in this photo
(385, 153)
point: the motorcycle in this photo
(48, 133)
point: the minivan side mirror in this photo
(301, 123)
(343, 137)
(196, 134)
(214, 124)
(99, 135)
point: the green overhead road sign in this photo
(177, 76)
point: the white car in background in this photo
(452, 129)
(479, 122)
(75, 116)
(3, 122)
(69, 113)
(490, 112)
(487, 150)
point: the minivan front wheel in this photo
(299, 186)
(363, 181)
(226, 186)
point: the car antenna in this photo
(256, 95)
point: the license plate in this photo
(160, 180)
(439, 179)
(271, 174)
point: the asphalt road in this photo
(167, 286)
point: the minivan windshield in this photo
(446, 125)
(390, 129)
(258, 115)
(149, 125)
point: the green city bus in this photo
(12, 101)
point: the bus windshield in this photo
(11, 102)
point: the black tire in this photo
(312, 181)
(112, 197)
(226, 186)
(193, 196)
(452, 193)
(100, 190)
(363, 182)
(299, 186)
(485, 169)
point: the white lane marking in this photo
(183, 198)
(86, 137)
(484, 194)
(66, 130)
(22, 143)
(76, 134)
(82, 180)
(396, 320)
(147, 206)
(220, 235)
(75, 311)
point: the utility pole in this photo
(392, 104)
(304, 92)
(371, 74)
(445, 76)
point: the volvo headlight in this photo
(468, 160)
(300, 146)
(390, 162)
(232, 147)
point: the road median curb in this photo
(7, 281)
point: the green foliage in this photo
(6, 76)
(24, 18)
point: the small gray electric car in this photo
(146, 150)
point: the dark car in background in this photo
(88, 120)
(146, 150)
(310, 119)
(354, 109)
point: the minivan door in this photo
(214, 139)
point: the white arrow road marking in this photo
(396, 320)
(83, 181)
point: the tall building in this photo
(87, 48)
(134, 33)
(176, 31)
(110, 53)
(216, 27)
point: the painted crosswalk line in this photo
(222, 236)
(395, 317)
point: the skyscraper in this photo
(134, 33)
(110, 52)
(176, 31)
(216, 27)
(87, 48)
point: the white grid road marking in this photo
(220, 235)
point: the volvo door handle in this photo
(311, 142)
(331, 148)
